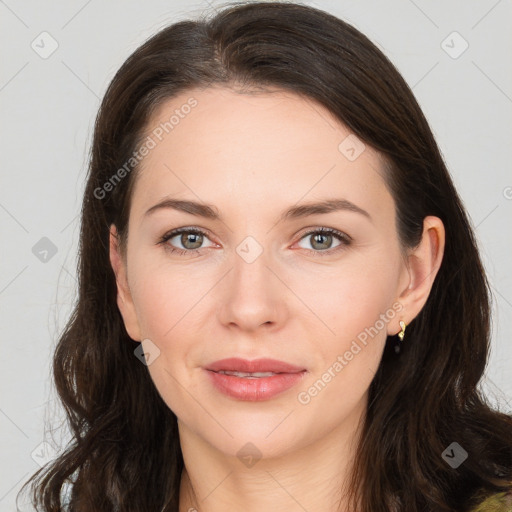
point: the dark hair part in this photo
(125, 453)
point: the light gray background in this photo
(48, 108)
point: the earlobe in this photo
(423, 264)
(124, 299)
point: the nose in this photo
(252, 293)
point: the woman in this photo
(281, 301)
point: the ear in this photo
(422, 265)
(124, 298)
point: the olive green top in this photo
(501, 502)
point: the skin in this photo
(300, 301)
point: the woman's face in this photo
(252, 282)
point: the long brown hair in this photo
(125, 453)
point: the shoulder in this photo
(500, 502)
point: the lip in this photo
(236, 364)
(254, 389)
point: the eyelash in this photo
(342, 237)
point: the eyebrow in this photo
(209, 211)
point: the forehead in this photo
(271, 147)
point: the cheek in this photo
(171, 304)
(164, 297)
(355, 306)
(346, 359)
(164, 301)
(348, 299)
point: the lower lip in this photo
(254, 390)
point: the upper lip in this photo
(235, 364)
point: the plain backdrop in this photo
(57, 59)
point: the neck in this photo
(314, 477)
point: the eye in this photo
(190, 238)
(321, 240)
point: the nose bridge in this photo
(253, 294)
(250, 262)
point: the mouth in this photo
(254, 367)
(256, 380)
(244, 375)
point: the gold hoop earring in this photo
(401, 334)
